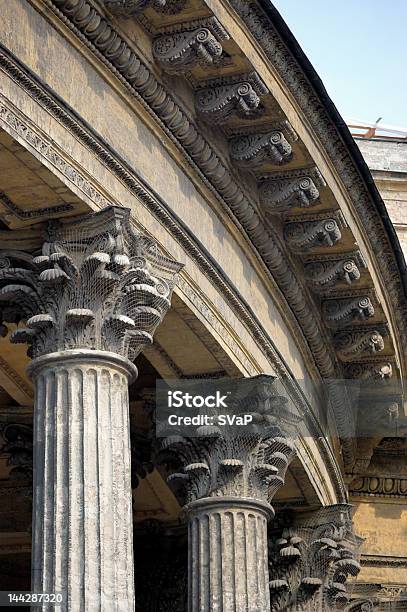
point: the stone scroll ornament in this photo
(252, 150)
(200, 43)
(227, 481)
(218, 101)
(313, 564)
(280, 192)
(96, 284)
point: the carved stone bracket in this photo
(357, 343)
(197, 43)
(95, 284)
(305, 235)
(311, 564)
(280, 192)
(220, 99)
(326, 273)
(129, 8)
(254, 149)
(379, 371)
(340, 311)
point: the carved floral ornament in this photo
(96, 284)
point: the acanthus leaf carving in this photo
(326, 273)
(130, 8)
(96, 284)
(199, 43)
(312, 563)
(218, 462)
(305, 235)
(254, 149)
(340, 311)
(217, 101)
(352, 344)
(280, 192)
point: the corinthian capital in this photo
(95, 284)
(222, 462)
(219, 100)
(313, 561)
(197, 43)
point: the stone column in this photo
(228, 555)
(229, 479)
(91, 300)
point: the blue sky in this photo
(359, 49)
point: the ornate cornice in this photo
(260, 25)
(289, 285)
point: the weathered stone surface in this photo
(82, 512)
(228, 555)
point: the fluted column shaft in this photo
(228, 561)
(82, 507)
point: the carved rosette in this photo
(96, 284)
(280, 192)
(311, 565)
(218, 101)
(177, 52)
(338, 312)
(306, 235)
(251, 150)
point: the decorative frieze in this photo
(306, 235)
(254, 149)
(197, 43)
(356, 343)
(220, 99)
(311, 564)
(96, 284)
(325, 273)
(279, 192)
(341, 311)
(382, 486)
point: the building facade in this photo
(180, 200)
